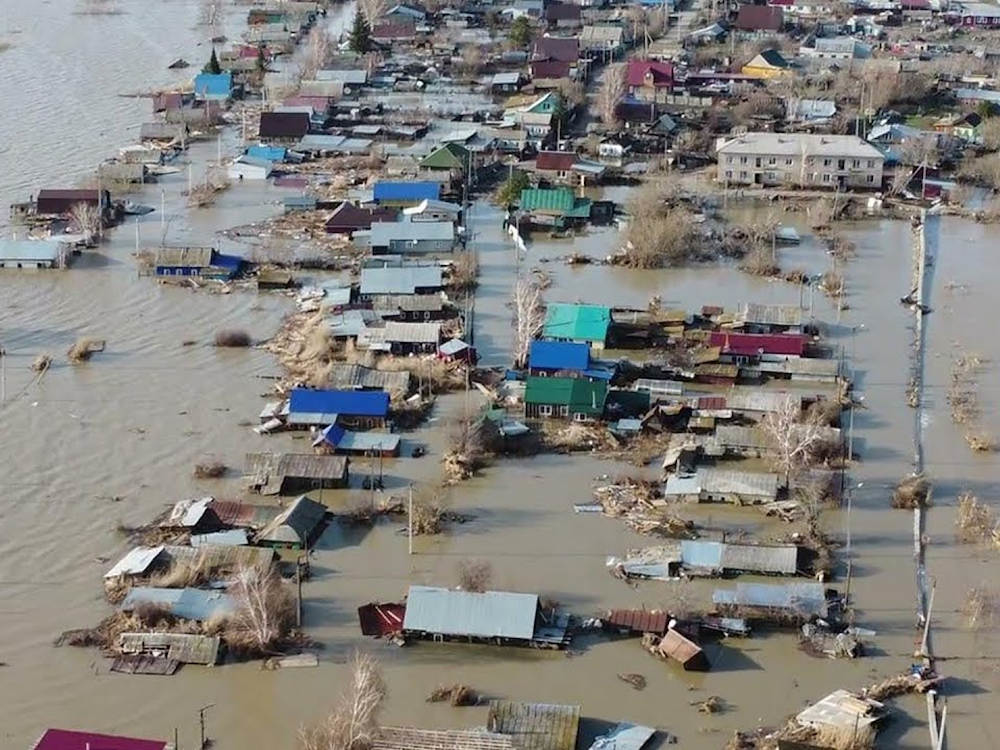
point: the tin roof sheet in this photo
(359, 376)
(638, 620)
(400, 279)
(183, 647)
(188, 604)
(349, 403)
(491, 614)
(535, 726)
(802, 598)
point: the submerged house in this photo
(722, 486)
(408, 280)
(319, 408)
(32, 254)
(349, 218)
(412, 237)
(297, 527)
(585, 324)
(336, 439)
(538, 726)
(495, 617)
(786, 601)
(565, 398)
(205, 262)
(554, 207)
(558, 358)
(293, 473)
(402, 194)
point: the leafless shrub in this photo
(981, 607)
(464, 272)
(981, 441)
(83, 349)
(232, 338)
(85, 218)
(984, 170)
(474, 575)
(529, 317)
(353, 723)
(265, 611)
(373, 10)
(832, 737)
(457, 695)
(428, 517)
(318, 46)
(42, 363)
(209, 12)
(216, 180)
(797, 440)
(832, 283)
(473, 443)
(471, 61)
(209, 470)
(822, 213)
(612, 91)
(975, 522)
(658, 234)
(840, 247)
(183, 574)
(913, 491)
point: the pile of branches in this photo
(912, 492)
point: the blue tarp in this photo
(221, 260)
(407, 191)
(558, 355)
(267, 153)
(345, 403)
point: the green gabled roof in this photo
(448, 156)
(576, 322)
(549, 200)
(581, 396)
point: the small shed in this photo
(185, 648)
(32, 254)
(346, 442)
(535, 726)
(498, 617)
(674, 645)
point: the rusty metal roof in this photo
(682, 650)
(638, 620)
(408, 738)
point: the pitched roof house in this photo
(570, 398)
(291, 125)
(348, 218)
(582, 323)
(561, 49)
(760, 18)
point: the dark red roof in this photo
(557, 161)
(381, 619)
(760, 18)
(562, 12)
(394, 31)
(711, 403)
(62, 201)
(162, 102)
(915, 4)
(550, 69)
(748, 344)
(65, 739)
(283, 124)
(650, 73)
(348, 217)
(637, 620)
(562, 49)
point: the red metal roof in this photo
(748, 344)
(549, 69)
(65, 739)
(557, 161)
(639, 620)
(650, 73)
(711, 402)
(562, 49)
(381, 619)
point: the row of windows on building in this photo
(773, 161)
(776, 176)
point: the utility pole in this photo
(163, 210)
(409, 515)
(3, 375)
(201, 722)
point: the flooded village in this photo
(523, 375)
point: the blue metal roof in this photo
(347, 440)
(213, 85)
(702, 554)
(267, 153)
(407, 191)
(559, 355)
(346, 403)
(222, 260)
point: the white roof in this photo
(500, 79)
(135, 562)
(433, 205)
(797, 144)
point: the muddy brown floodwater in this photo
(114, 440)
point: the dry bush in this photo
(832, 737)
(658, 234)
(840, 248)
(41, 363)
(473, 444)
(265, 611)
(318, 46)
(984, 170)
(233, 338)
(209, 470)
(353, 723)
(760, 261)
(216, 180)
(471, 61)
(975, 521)
(981, 607)
(832, 283)
(474, 575)
(822, 213)
(84, 349)
(457, 695)
(464, 272)
(981, 441)
(428, 517)
(913, 491)
(183, 575)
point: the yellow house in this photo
(768, 64)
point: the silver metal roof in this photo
(189, 604)
(400, 280)
(412, 333)
(29, 251)
(135, 562)
(492, 614)
(802, 598)
(384, 232)
(783, 315)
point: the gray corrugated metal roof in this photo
(183, 647)
(754, 399)
(624, 737)
(189, 604)
(229, 538)
(400, 280)
(783, 315)
(702, 554)
(742, 482)
(412, 333)
(29, 251)
(296, 524)
(760, 559)
(359, 376)
(135, 562)
(384, 232)
(802, 598)
(492, 614)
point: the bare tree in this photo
(659, 233)
(264, 609)
(612, 91)
(529, 316)
(317, 51)
(472, 60)
(210, 13)
(990, 133)
(353, 723)
(85, 219)
(474, 575)
(373, 10)
(920, 150)
(796, 439)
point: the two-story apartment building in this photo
(799, 160)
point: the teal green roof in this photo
(576, 322)
(581, 396)
(546, 104)
(555, 201)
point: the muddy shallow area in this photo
(114, 440)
